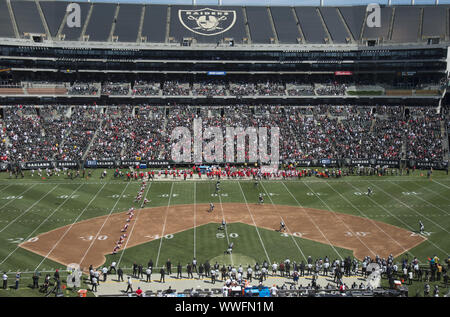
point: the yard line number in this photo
(217, 195)
(167, 195)
(68, 196)
(221, 235)
(12, 197)
(20, 240)
(357, 234)
(90, 238)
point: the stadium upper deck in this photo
(251, 25)
(300, 45)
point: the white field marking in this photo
(416, 178)
(396, 217)
(434, 181)
(20, 240)
(117, 196)
(310, 218)
(269, 194)
(167, 195)
(371, 220)
(354, 179)
(70, 227)
(28, 209)
(134, 223)
(67, 196)
(315, 194)
(256, 227)
(164, 225)
(226, 230)
(222, 194)
(433, 192)
(340, 219)
(413, 210)
(292, 234)
(195, 220)
(98, 233)
(21, 194)
(45, 220)
(5, 187)
(423, 199)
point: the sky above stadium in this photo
(279, 2)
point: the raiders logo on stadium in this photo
(207, 21)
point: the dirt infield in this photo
(364, 236)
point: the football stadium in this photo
(180, 148)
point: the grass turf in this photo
(32, 205)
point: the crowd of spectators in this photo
(200, 87)
(392, 111)
(33, 133)
(209, 88)
(83, 122)
(261, 88)
(115, 89)
(176, 88)
(112, 137)
(28, 140)
(48, 132)
(333, 89)
(144, 88)
(342, 111)
(366, 275)
(83, 89)
(270, 88)
(424, 138)
(300, 88)
(386, 139)
(242, 89)
(178, 116)
(144, 139)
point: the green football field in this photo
(30, 206)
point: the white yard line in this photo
(10, 201)
(134, 223)
(5, 187)
(371, 220)
(407, 225)
(195, 220)
(436, 193)
(292, 236)
(340, 219)
(226, 225)
(45, 220)
(423, 216)
(28, 209)
(315, 225)
(96, 236)
(434, 181)
(164, 225)
(70, 227)
(256, 227)
(426, 201)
